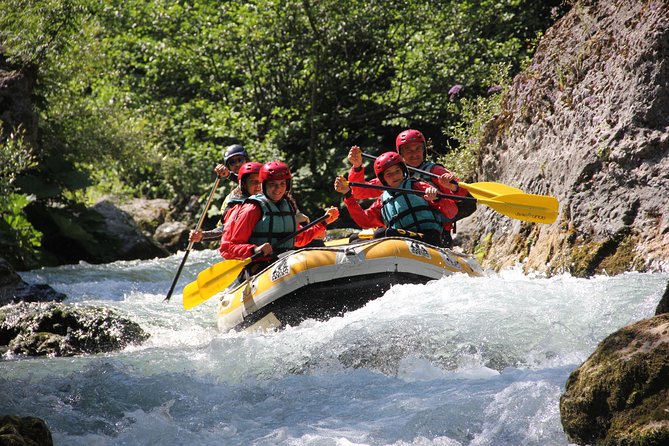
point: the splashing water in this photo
(458, 361)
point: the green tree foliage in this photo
(141, 96)
(22, 239)
(302, 80)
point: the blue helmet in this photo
(234, 150)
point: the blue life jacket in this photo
(427, 167)
(278, 221)
(409, 211)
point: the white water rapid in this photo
(459, 361)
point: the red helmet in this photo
(275, 170)
(385, 161)
(246, 169)
(409, 136)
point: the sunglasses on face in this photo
(236, 160)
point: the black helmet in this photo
(234, 150)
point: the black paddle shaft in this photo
(190, 244)
(409, 191)
(433, 175)
(299, 231)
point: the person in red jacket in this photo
(400, 213)
(235, 157)
(412, 146)
(266, 218)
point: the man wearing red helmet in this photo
(396, 211)
(411, 145)
(265, 218)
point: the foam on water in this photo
(458, 361)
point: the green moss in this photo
(613, 256)
(582, 257)
(481, 249)
(623, 259)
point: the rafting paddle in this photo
(484, 189)
(219, 276)
(190, 244)
(521, 206)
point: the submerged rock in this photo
(55, 329)
(620, 395)
(13, 289)
(24, 431)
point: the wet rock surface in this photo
(24, 431)
(56, 329)
(620, 395)
(13, 289)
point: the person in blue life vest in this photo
(234, 157)
(412, 146)
(400, 213)
(265, 218)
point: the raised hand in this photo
(355, 156)
(431, 193)
(449, 180)
(341, 185)
(222, 170)
(195, 236)
(333, 215)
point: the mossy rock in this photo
(21, 431)
(620, 395)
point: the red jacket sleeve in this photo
(444, 205)
(234, 243)
(440, 170)
(365, 218)
(362, 193)
(304, 238)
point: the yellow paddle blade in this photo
(526, 207)
(192, 296)
(488, 189)
(212, 280)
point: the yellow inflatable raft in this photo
(324, 282)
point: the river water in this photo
(458, 361)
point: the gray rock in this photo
(587, 122)
(131, 242)
(147, 214)
(620, 395)
(172, 235)
(56, 329)
(99, 234)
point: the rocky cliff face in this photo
(587, 122)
